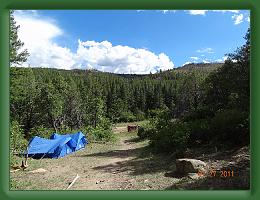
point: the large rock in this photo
(186, 165)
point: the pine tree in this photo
(17, 55)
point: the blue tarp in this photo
(79, 140)
(56, 147)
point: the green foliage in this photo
(199, 131)
(17, 55)
(41, 131)
(17, 142)
(100, 134)
(165, 134)
(127, 116)
(230, 127)
(146, 130)
(171, 138)
(140, 116)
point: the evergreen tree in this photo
(17, 55)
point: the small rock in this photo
(185, 165)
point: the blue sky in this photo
(129, 41)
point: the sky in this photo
(129, 41)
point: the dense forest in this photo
(190, 105)
(66, 100)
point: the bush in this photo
(100, 134)
(127, 116)
(230, 127)
(154, 113)
(146, 130)
(199, 130)
(17, 142)
(41, 131)
(204, 112)
(171, 138)
(140, 116)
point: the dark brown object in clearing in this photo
(131, 128)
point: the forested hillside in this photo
(67, 100)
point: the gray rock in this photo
(186, 165)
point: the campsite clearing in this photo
(126, 164)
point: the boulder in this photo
(186, 165)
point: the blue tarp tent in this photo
(56, 148)
(78, 138)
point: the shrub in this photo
(140, 116)
(146, 130)
(199, 129)
(100, 134)
(17, 142)
(171, 138)
(204, 112)
(41, 131)
(154, 113)
(127, 116)
(230, 127)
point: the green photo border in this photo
(252, 5)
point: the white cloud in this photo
(38, 35)
(161, 11)
(225, 11)
(186, 63)
(238, 18)
(119, 59)
(221, 60)
(205, 50)
(194, 58)
(224, 58)
(167, 11)
(203, 12)
(205, 61)
(197, 12)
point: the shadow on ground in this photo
(135, 161)
(137, 166)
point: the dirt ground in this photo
(124, 165)
(127, 164)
